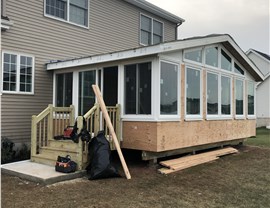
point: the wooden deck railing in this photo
(49, 123)
(52, 121)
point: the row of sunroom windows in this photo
(138, 89)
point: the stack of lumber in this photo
(193, 160)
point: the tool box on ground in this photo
(65, 165)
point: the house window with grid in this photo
(151, 31)
(74, 11)
(18, 73)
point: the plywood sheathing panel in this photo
(140, 135)
(176, 135)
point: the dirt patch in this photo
(240, 180)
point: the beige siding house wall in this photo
(113, 25)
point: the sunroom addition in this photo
(174, 95)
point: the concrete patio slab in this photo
(38, 173)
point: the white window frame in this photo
(224, 116)
(220, 116)
(199, 116)
(219, 57)
(169, 117)
(215, 116)
(67, 21)
(152, 29)
(134, 117)
(244, 98)
(251, 116)
(17, 91)
(194, 62)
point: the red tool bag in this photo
(68, 131)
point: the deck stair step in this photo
(181, 163)
(64, 144)
(58, 151)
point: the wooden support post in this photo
(112, 132)
(80, 145)
(34, 136)
(97, 120)
(118, 122)
(72, 115)
(50, 123)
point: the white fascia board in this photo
(156, 10)
(245, 57)
(138, 52)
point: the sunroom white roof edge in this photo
(156, 49)
(136, 52)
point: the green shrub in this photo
(7, 152)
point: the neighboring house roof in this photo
(156, 10)
(225, 39)
(264, 56)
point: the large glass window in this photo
(225, 95)
(251, 99)
(64, 88)
(151, 31)
(138, 89)
(237, 69)
(212, 94)
(194, 55)
(193, 92)
(211, 56)
(168, 89)
(86, 93)
(17, 73)
(239, 97)
(75, 11)
(226, 61)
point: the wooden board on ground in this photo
(193, 160)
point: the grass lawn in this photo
(262, 138)
(235, 181)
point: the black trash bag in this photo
(100, 158)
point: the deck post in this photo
(50, 122)
(97, 120)
(34, 136)
(80, 144)
(72, 115)
(118, 122)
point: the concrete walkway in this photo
(38, 173)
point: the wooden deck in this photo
(53, 120)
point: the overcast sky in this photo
(247, 21)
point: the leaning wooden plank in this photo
(111, 129)
(217, 153)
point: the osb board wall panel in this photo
(176, 135)
(140, 135)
